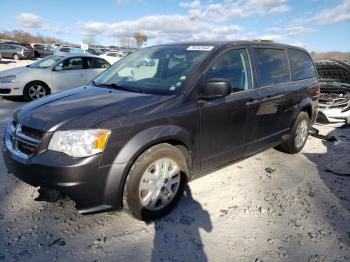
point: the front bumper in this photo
(93, 188)
(333, 116)
(11, 89)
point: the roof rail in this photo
(263, 40)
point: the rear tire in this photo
(155, 183)
(35, 90)
(298, 135)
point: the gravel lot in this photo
(270, 207)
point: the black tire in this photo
(290, 146)
(131, 197)
(26, 90)
(15, 57)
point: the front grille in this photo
(26, 148)
(32, 133)
(5, 91)
(24, 140)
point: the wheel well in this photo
(308, 110)
(41, 82)
(178, 144)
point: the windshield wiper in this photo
(114, 86)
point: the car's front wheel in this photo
(298, 135)
(35, 90)
(15, 57)
(156, 182)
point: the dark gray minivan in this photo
(160, 117)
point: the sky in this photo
(317, 25)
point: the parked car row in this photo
(51, 74)
(16, 51)
(156, 119)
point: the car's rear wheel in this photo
(15, 57)
(155, 182)
(298, 135)
(35, 90)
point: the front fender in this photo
(131, 150)
(146, 138)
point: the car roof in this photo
(65, 54)
(263, 43)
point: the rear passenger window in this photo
(301, 64)
(272, 66)
(99, 63)
(233, 66)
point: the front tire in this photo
(15, 57)
(298, 135)
(35, 90)
(155, 183)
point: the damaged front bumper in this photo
(334, 104)
(333, 116)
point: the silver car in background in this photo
(51, 74)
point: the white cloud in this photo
(273, 30)
(279, 9)
(339, 13)
(233, 9)
(35, 22)
(29, 20)
(169, 27)
(298, 30)
(202, 22)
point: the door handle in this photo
(253, 102)
(266, 99)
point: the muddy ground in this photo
(269, 207)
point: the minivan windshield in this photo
(158, 70)
(46, 62)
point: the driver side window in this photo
(74, 63)
(233, 66)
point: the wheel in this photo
(298, 135)
(15, 57)
(155, 183)
(35, 90)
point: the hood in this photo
(82, 107)
(15, 71)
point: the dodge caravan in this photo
(161, 117)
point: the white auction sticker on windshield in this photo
(200, 48)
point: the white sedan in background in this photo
(112, 56)
(51, 74)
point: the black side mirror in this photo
(215, 88)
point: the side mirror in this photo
(215, 88)
(58, 68)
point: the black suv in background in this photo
(42, 50)
(16, 51)
(140, 131)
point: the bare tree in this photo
(89, 40)
(127, 41)
(140, 38)
(22, 36)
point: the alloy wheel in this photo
(36, 92)
(301, 133)
(159, 184)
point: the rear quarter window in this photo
(271, 66)
(301, 64)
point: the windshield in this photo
(46, 62)
(154, 70)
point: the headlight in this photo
(79, 143)
(8, 79)
(346, 108)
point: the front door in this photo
(70, 73)
(228, 125)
